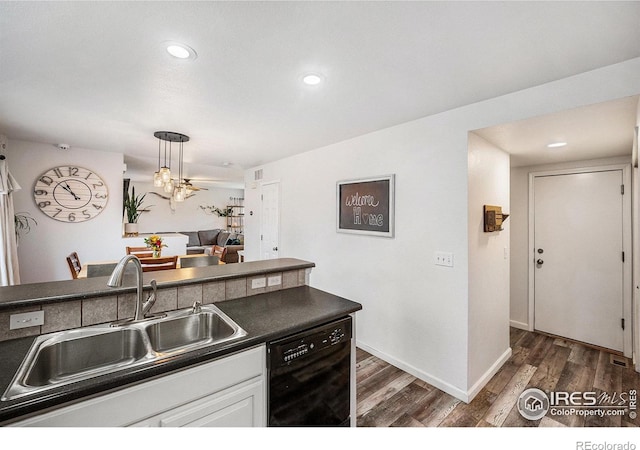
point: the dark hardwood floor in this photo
(389, 397)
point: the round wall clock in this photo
(70, 194)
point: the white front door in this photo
(578, 245)
(270, 221)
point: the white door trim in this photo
(626, 245)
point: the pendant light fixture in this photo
(162, 177)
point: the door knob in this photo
(275, 249)
(539, 262)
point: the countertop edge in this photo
(80, 289)
(23, 408)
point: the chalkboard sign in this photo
(365, 206)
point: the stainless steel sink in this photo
(66, 357)
(191, 330)
(79, 356)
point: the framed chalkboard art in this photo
(366, 206)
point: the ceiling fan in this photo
(191, 187)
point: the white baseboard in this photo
(484, 379)
(437, 382)
(520, 325)
(434, 381)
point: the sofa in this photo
(202, 241)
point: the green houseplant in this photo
(133, 209)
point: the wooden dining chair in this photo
(162, 263)
(218, 251)
(74, 264)
(140, 252)
(199, 261)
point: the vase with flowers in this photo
(155, 244)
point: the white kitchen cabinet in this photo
(238, 406)
(229, 391)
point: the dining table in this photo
(85, 267)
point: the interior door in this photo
(270, 221)
(578, 220)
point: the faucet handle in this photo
(197, 307)
(151, 299)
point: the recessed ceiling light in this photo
(181, 51)
(312, 79)
(557, 144)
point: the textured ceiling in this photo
(96, 74)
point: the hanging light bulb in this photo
(180, 193)
(165, 174)
(168, 186)
(157, 178)
(165, 171)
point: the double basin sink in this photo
(66, 357)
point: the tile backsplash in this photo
(78, 313)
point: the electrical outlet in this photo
(274, 280)
(25, 320)
(257, 283)
(444, 259)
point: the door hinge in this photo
(260, 237)
(622, 189)
(622, 323)
(261, 197)
(622, 256)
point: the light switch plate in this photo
(257, 283)
(25, 320)
(274, 280)
(444, 259)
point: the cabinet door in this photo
(240, 406)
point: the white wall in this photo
(42, 252)
(488, 262)
(415, 315)
(188, 216)
(519, 218)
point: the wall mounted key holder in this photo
(493, 218)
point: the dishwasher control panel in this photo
(308, 342)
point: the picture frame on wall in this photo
(366, 206)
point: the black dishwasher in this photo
(309, 377)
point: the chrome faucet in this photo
(142, 307)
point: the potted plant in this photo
(133, 209)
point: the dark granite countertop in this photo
(265, 317)
(57, 291)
